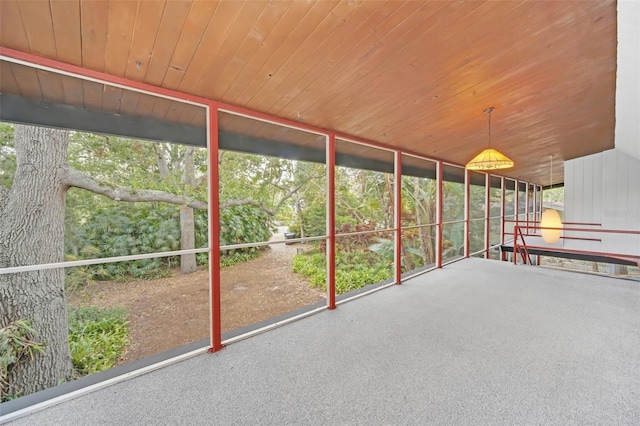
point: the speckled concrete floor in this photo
(478, 342)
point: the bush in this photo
(17, 345)
(354, 269)
(97, 338)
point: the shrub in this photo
(17, 344)
(354, 269)
(97, 338)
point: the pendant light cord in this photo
(490, 111)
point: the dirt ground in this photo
(171, 312)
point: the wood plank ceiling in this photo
(410, 74)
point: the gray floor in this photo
(478, 342)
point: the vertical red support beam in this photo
(487, 215)
(397, 210)
(503, 193)
(467, 203)
(517, 207)
(439, 203)
(214, 231)
(331, 222)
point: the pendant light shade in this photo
(550, 218)
(489, 159)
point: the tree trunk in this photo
(424, 215)
(187, 224)
(187, 240)
(32, 232)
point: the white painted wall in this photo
(627, 132)
(604, 188)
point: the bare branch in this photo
(161, 160)
(202, 179)
(189, 166)
(81, 180)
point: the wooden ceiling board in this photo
(9, 83)
(298, 32)
(51, 87)
(221, 21)
(324, 70)
(407, 65)
(111, 99)
(255, 69)
(364, 71)
(193, 33)
(68, 42)
(148, 18)
(94, 22)
(209, 82)
(28, 82)
(246, 51)
(12, 31)
(173, 19)
(130, 101)
(330, 35)
(36, 18)
(414, 75)
(121, 21)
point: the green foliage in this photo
(128, 229)
(97, 338)
(354, 269)
(244, 224)
(17, 344)
(7, 155)
(234, 257)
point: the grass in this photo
(97, 338)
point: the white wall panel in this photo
(604, 188)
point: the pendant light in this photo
(489, 159)
(550, 219)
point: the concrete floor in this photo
(478, 342)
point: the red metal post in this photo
(517, 206)
(487, 215)
(331, 222)
(467, 203)
(503, 193)
(214, 232)
(398, 216)
(439, 203)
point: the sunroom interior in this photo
(394, 91)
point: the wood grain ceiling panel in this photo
(173, 19)
(410, 74)
(248, 15)
(12, 31)
(122, 17)
(253, 40)
(329, 68)
(148, 18)
(9, 83)
(298, 32)
(38, 24)
(221, 21)
(28, 82)
(66, 14)
(255, 70)
(192, 35)
(329, 35)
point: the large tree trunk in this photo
(187, 240)
(187, 224)
(32, 232)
